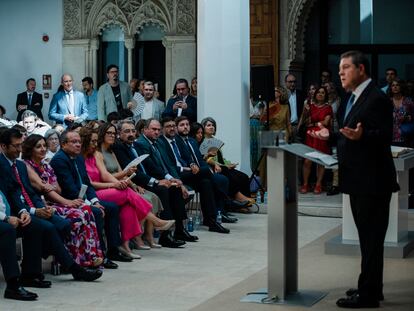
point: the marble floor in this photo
(173, 279)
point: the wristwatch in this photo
(156, 181)
(6, 219)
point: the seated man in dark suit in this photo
(29, 100)
(71, 173)
(50, 243)
(8, 258)
(189, 147)
(155, 166)
(184, 168)
(182, 103)
(171, 198)
(19, 177)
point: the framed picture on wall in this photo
(47, 81)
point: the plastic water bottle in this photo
(265, 198)
(258, 197)
(197, 222)
(219, 218)
(190, 224)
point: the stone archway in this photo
(84, 21)
(294, 16)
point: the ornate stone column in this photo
(180, 59)
(130, 44)
(93, 54)
(224, 73)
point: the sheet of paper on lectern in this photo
(136, 161)
(397, 151)
(325, 158)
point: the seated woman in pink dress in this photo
(83, 244)
(134, 209)
(105, 143)
(317, 111)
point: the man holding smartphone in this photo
(182, 103)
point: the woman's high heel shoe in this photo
(166, 226)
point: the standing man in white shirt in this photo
(296, 100)
(149, 106)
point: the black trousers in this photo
(203, 183)
(172, 202)
(371, 215)
(110, 223)
(8, 259)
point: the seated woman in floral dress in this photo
(134, 209)
(84, 240)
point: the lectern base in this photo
(305, 298)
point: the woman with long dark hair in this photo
(83, 243)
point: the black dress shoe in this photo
(334, 190)
(117, 256)
(108, 264)
(87, 275)
(354, 291)
(19, 294)
(184, 235)
(167, 240)
(228, 220)
(227, 214)
(356, 302)
(35, 282)
(216, 227)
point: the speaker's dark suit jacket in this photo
(366, 166)
(69, 181)
(190, 112)
(36, 105)
(367, 174)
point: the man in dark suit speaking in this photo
(366, 172)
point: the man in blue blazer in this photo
(71, 174)
(68, 106)
(16, 185)
(182, 103)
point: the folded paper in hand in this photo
(325, 158)
(136, 161)
(209, 143)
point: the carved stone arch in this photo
(151, 13)
(299, 13)
(103, 16)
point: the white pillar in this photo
(223, 73)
